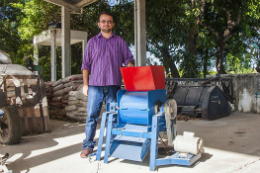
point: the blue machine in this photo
(142, 111)
(140, 118)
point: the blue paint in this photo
(137, 129)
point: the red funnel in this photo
(143, 78)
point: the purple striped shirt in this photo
(104, 57)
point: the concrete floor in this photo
(232, 145)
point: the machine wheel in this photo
(11, 126)
(157, 107)
(170, 109)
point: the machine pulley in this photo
(170, 109)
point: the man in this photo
(105, 53)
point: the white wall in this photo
(245, 85)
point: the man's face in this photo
(106, 23)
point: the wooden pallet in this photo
(30, 100)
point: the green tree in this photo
(166, 32)
(39, 14)
(223, 19)
(10, 40)
(186, 36)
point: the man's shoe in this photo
(84, 153)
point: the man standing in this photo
(105, 53)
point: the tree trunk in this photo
(169, 64)
(174, 71)
(192, 40)
(205, 63)
(220, 56)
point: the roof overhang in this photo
(45, 38)
(74, 5)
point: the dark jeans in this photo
(96, 95)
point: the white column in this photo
(136, 34)
(53, 56)
(65, 42)
(35, 53)
(141, 32)
(84, 44)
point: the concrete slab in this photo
(231, 146)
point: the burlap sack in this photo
(71, 83)
(82, 103)
(58, 87)
(71, 108)
(58, 93)
(75, 102)
(73, 93)
(56, 104)
(65, 101)
(72, 98)
(72, 78)
(57, 99)
(80, 118)
(56, 83)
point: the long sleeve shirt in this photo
(103, 59)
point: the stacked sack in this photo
(48, 90)
(66, 99)
(77, 104)
(60, 94)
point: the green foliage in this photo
(189, 68)
(228, 23)
(34, 17)
(236, 65)
(166, 32)
(124, 20)
(10, 41)
(180, 34)
(38, 15)
(87, 21)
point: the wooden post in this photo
(44, 104)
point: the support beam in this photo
(84, 44)
(65, 41)
(35, 53)
(64, 4)
(140, 32)
(53, 56)
(135, 31)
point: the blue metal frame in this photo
(142, 136)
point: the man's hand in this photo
(85, 90)
(85, 74)
(130, 64)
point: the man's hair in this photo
(105, 12)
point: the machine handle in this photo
(143, 109)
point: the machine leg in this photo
(154, 142)
(108, 137)
(101, 135)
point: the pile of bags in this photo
(77, 104)
(58, 94)
(66, 99)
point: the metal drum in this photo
(138, 107)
